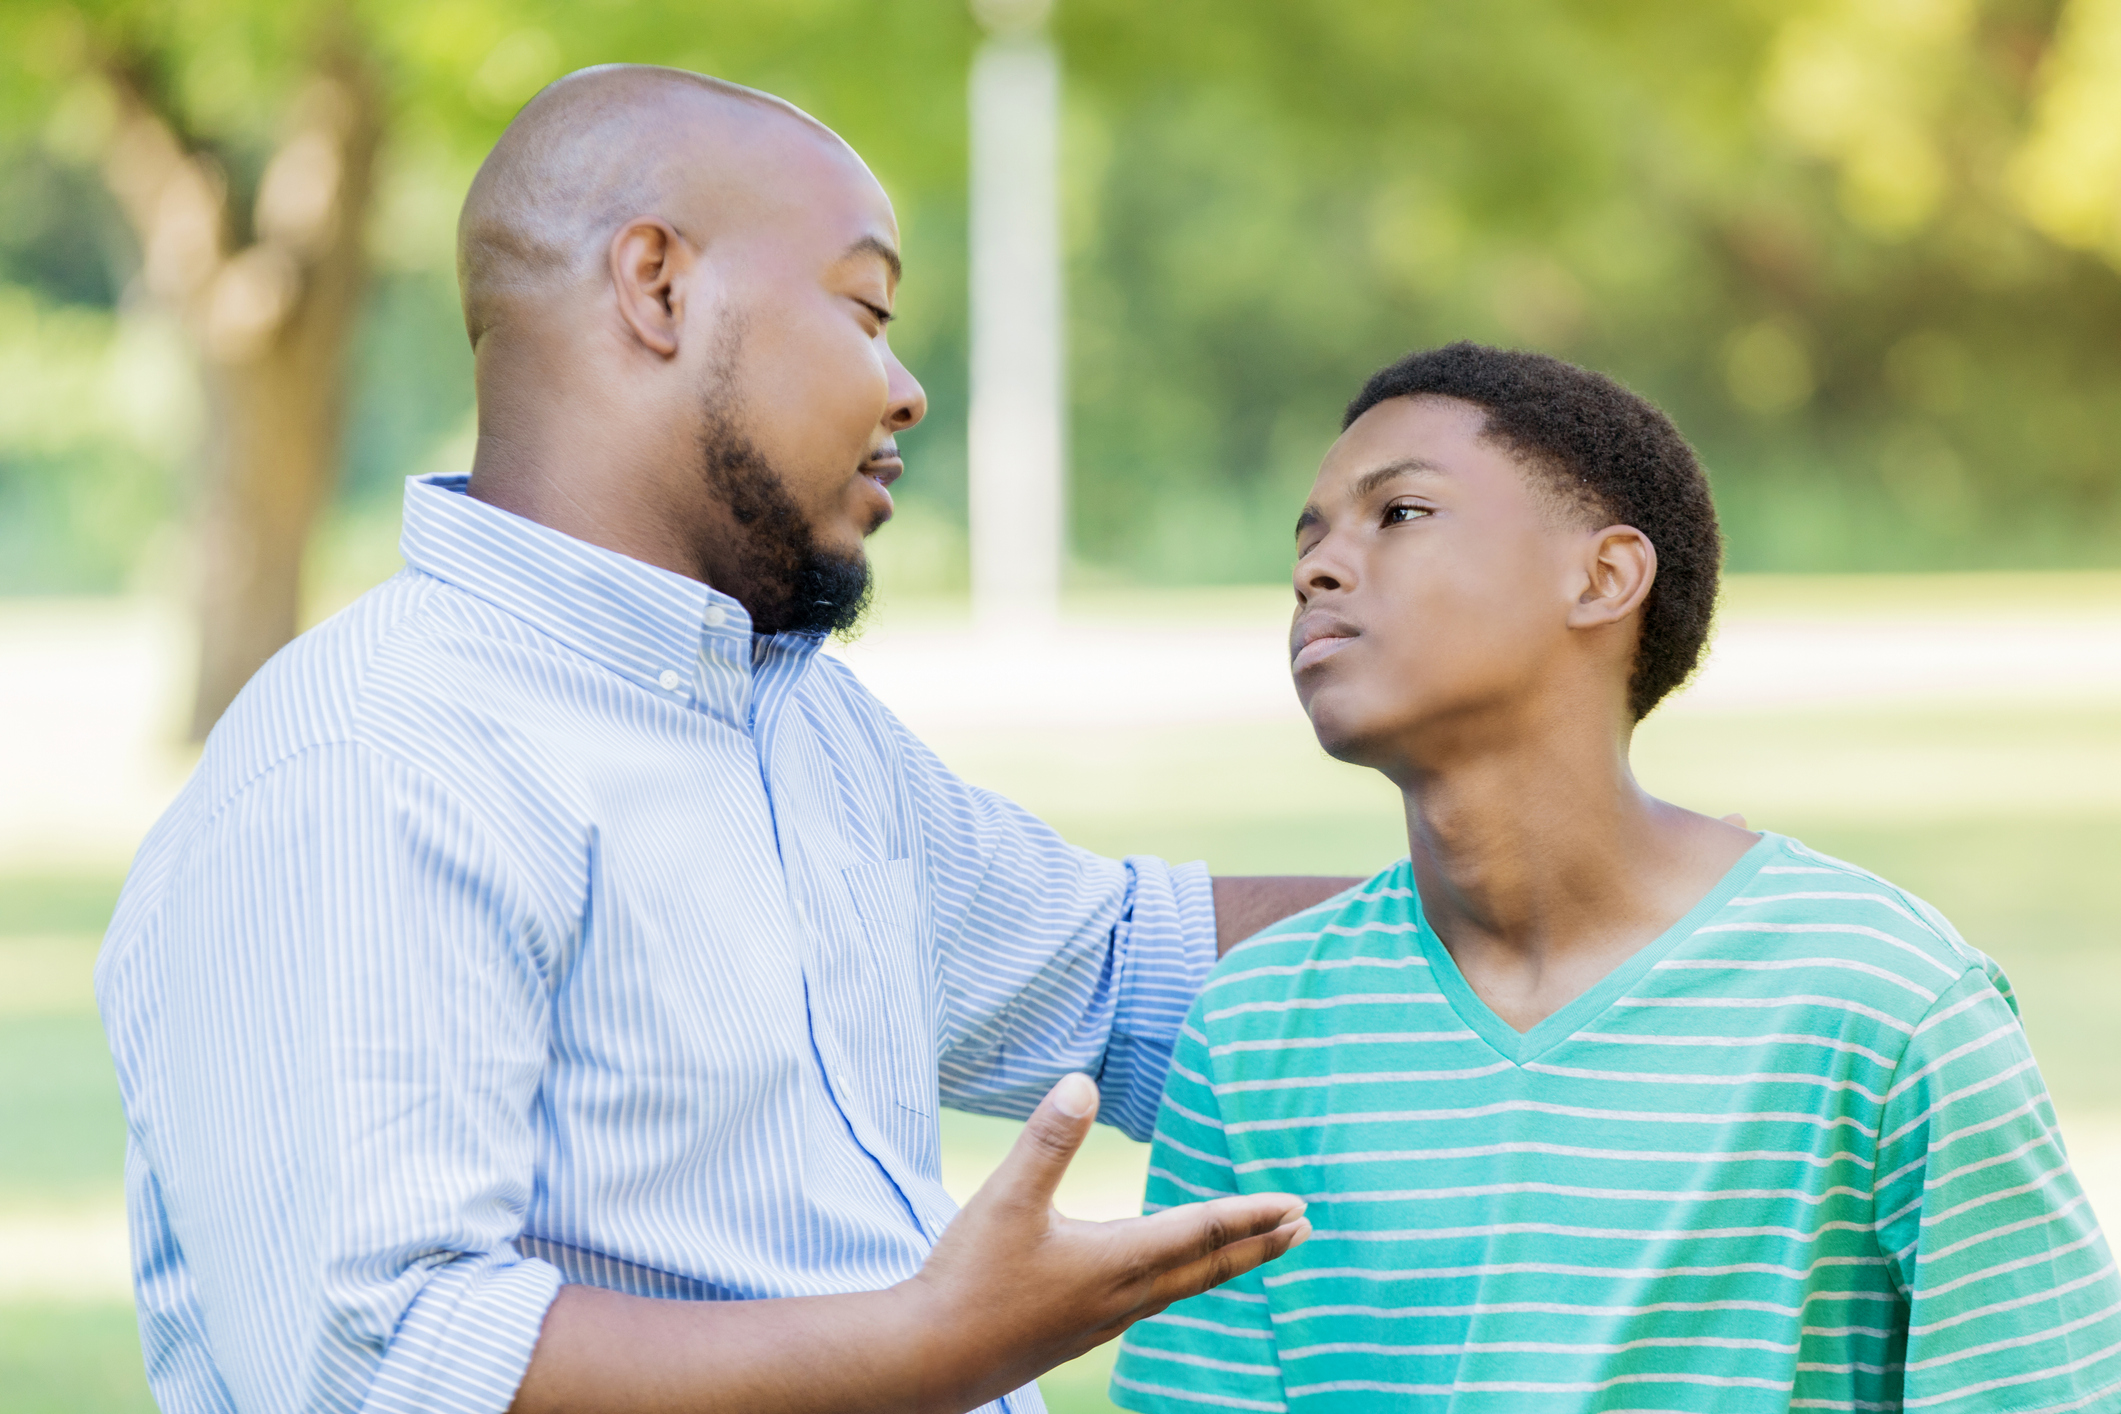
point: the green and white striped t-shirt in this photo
(1792, 1155)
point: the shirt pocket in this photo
(887, 899)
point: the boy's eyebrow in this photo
(1368, 482)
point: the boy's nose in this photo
(1318, 573)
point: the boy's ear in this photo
(1620, 565)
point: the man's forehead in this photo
(798, 175)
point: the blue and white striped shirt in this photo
(533, 921)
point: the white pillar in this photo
(1017, 422)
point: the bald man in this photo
(542, 994)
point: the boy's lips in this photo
(1316, 641)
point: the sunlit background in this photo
(1867, 252)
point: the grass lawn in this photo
(71, 1359)
(2010, 822)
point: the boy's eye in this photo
(1395, 515)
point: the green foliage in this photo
(85, 428)
(1793, 226)
(1865, 250)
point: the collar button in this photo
(669, 680)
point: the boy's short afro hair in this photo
(1610, 451)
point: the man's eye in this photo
(1395, 515)
(883, 316)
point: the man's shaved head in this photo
(678, 292)
(592, 150)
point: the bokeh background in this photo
(1867, 252)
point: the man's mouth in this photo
(1314, 642)
(884, 465)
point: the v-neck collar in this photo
(1519, 1047)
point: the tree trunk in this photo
(269, 467)
(271, 324)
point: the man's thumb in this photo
(1049, 1140)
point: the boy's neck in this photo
(1544, 867)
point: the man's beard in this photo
(787, 582)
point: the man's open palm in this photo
(1020, 1278)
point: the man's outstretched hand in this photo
(1045, 1288)
(1010, 1291)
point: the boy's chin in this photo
(1344, 740)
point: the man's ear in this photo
(649, 261)
(1620, 565)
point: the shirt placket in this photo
(722, 678)
(780, 664)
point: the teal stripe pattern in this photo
(1794, 1154)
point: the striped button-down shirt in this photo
(534, 921)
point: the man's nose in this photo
(909, 400)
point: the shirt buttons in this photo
(669, 680)
(715, 616)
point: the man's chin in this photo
(844, 539)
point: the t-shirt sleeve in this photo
(1215, 1351)
(2012, 1294)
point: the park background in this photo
(1867, 252)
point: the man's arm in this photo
(1011, 1290)
(1244, 904)
(333, 1025)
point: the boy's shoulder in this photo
(1801, 905)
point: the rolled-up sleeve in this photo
(1051, 958)
(1163, 953)
(330, 1038)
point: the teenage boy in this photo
(1597, 1103)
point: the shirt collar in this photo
(674, 636)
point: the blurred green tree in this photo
(248, 197)
(1867, 251)
(240, 141)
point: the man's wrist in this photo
(947, 1355)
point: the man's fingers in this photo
(1047, 1142)
(1734, 818)
(1193, 1231)
(1226, 1262)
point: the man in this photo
(1598, 1103)
(553, 956)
